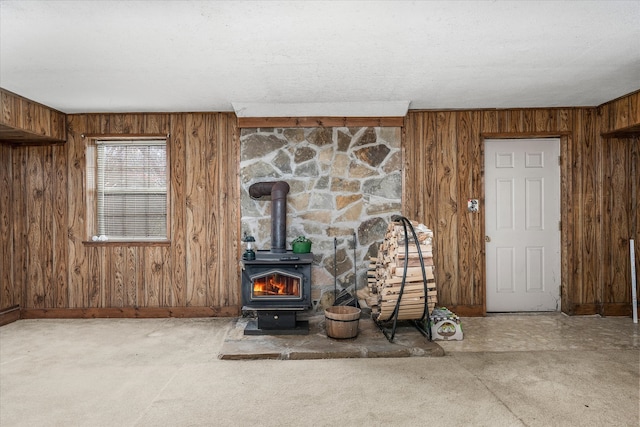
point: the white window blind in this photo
(131, 189)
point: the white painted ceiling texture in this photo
(341, 58)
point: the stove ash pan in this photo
(277, 281)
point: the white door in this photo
(522, 198)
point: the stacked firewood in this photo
(386, 271)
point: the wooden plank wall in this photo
(49, 272)
(620, 123)
(57, 274)
(9, 296)
(444, 167)
(26, 121)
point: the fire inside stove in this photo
(276, 284)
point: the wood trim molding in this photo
(523, 135)
(129, 243)
(607, 309)
(468, 310)
(617, 309)
(13, 136)
(628, 132)
(9, 315)
(125, 136)
(583, 309)
(292, 122)
(129, 312)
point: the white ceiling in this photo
(318, 57)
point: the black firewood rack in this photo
(423, 325)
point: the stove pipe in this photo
(277, 192)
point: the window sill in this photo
(128, 243)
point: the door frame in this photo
(564, 211)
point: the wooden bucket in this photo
(341, 321)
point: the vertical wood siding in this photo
(444, 163)
(24, 120)
(620, 198)
(43, 210)
(9, 295)
(46, 266)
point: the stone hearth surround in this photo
(343, 180)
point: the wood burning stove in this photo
(277, 286)
(277, 280)
(277, 283)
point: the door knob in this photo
(487, 239)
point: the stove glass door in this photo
(276, 284)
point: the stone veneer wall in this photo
(343, 180)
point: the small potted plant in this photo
(301, 245)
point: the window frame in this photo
(91, 190)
